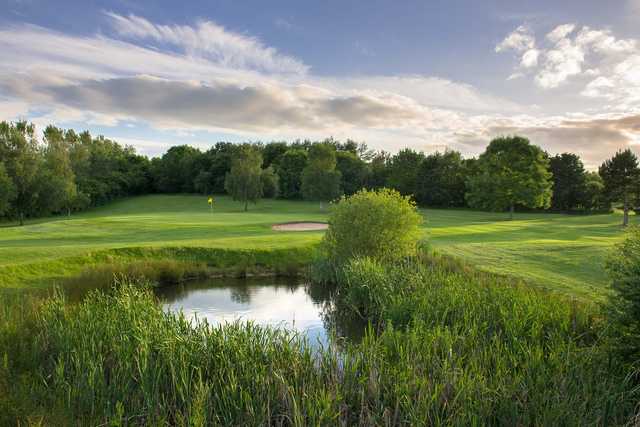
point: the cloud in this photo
(220, 105)
(560, 32)
(204, 77)
(593, 139)
(530, 58)
(520, 40)
(606, 65)
(560, 63)
(211, 41)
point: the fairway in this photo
(561, 252)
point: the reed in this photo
(446, 346)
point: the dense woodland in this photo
(64, 171)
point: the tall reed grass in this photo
(446, 346)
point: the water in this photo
(274, 302)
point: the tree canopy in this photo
(440, 180)
(569, 182)
(620, 175)
(243, 181)
(511, 171)
(320, 178)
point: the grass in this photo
(454, 347)
(560, 252)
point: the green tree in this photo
(58, 178)
(269, 180)
(594, 192)
(272, 153)
(623, 266)
(620, 175)
(202, 182)
(354, 171)
(320, 178)
(177, 169)
(243, 182)
(7, 190)
(23, 162)
(511, 171)
(440, 180)
(380, 224)
(403, 171)
(569, 182)
(289, 171)
(220, 158)
(379, 170)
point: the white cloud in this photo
(211, 41)
(560, 32)
(520, 40)
(215, 80)
(606, 65)
(603, 41)
(560, 63)
(530, 58)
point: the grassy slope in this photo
(557, 251)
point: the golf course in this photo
(564, 253)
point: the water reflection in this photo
(274, 302)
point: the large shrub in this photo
(379, 224)
(624, 305)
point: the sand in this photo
(300, 226)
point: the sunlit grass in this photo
(560, 252)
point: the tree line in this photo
(65, 171)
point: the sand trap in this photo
(300, 226)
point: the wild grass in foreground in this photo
(452, 346)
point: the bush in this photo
(624, 305)
(379, 224)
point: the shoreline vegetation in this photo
(168, 265)
(457, 346)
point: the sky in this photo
(429, 75)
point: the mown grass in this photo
(448, 346)
(560, 252)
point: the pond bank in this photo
(165, 265)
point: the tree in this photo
(269, 180)
(440, 180)
(403, 171)
(379, 170)
(7, 190)
(620, 175)
(19, 150)
(511, 171)
(569, 182)
(380, 224)
(320, 179)
(354, 171)
(177, 169)
(289, 171)
(594, 192)
(202, 183)
(220, 159)
(623, 265)
(243, 182)
(60, 190)
(272, 153)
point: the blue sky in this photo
(425, 74)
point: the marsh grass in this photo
(446, 346)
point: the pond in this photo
(275, 302)
(269, 301)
